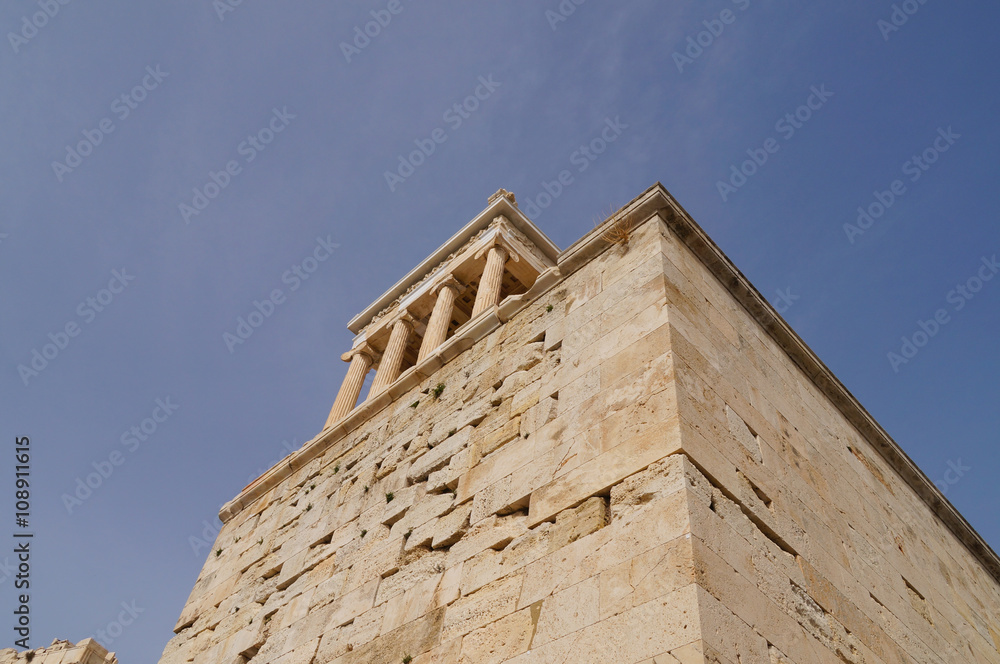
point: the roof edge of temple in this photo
(501, 203)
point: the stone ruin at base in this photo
(613, 453)
(87, 651)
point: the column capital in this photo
(404, 316)
(362, 349)
(500, 242)
(449, 282)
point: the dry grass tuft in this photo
(619, 231)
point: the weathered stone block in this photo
(485, 605)
(498, 642)
(354, 603)
(600, 474)
(568, 611)
(573, 524)
(451, 527)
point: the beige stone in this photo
(573, 524)
(482, 607)
(500, 641)
(86, 651)
(354, 603)
(451, 527)
(568, 611)
(614, 453)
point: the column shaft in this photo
(437, 326)
(392, 358)
(488, 295)
(350, 389)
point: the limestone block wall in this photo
(811, 547)
(629, 470)
(526, 503)
(87, 651)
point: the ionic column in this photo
(361, 359)
(392, 358)
(437, 326)
(488, 295)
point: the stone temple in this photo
(612, 453)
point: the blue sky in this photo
(199, 81)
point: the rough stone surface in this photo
(628, 470)
(87, 651)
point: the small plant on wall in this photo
(619, 231)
